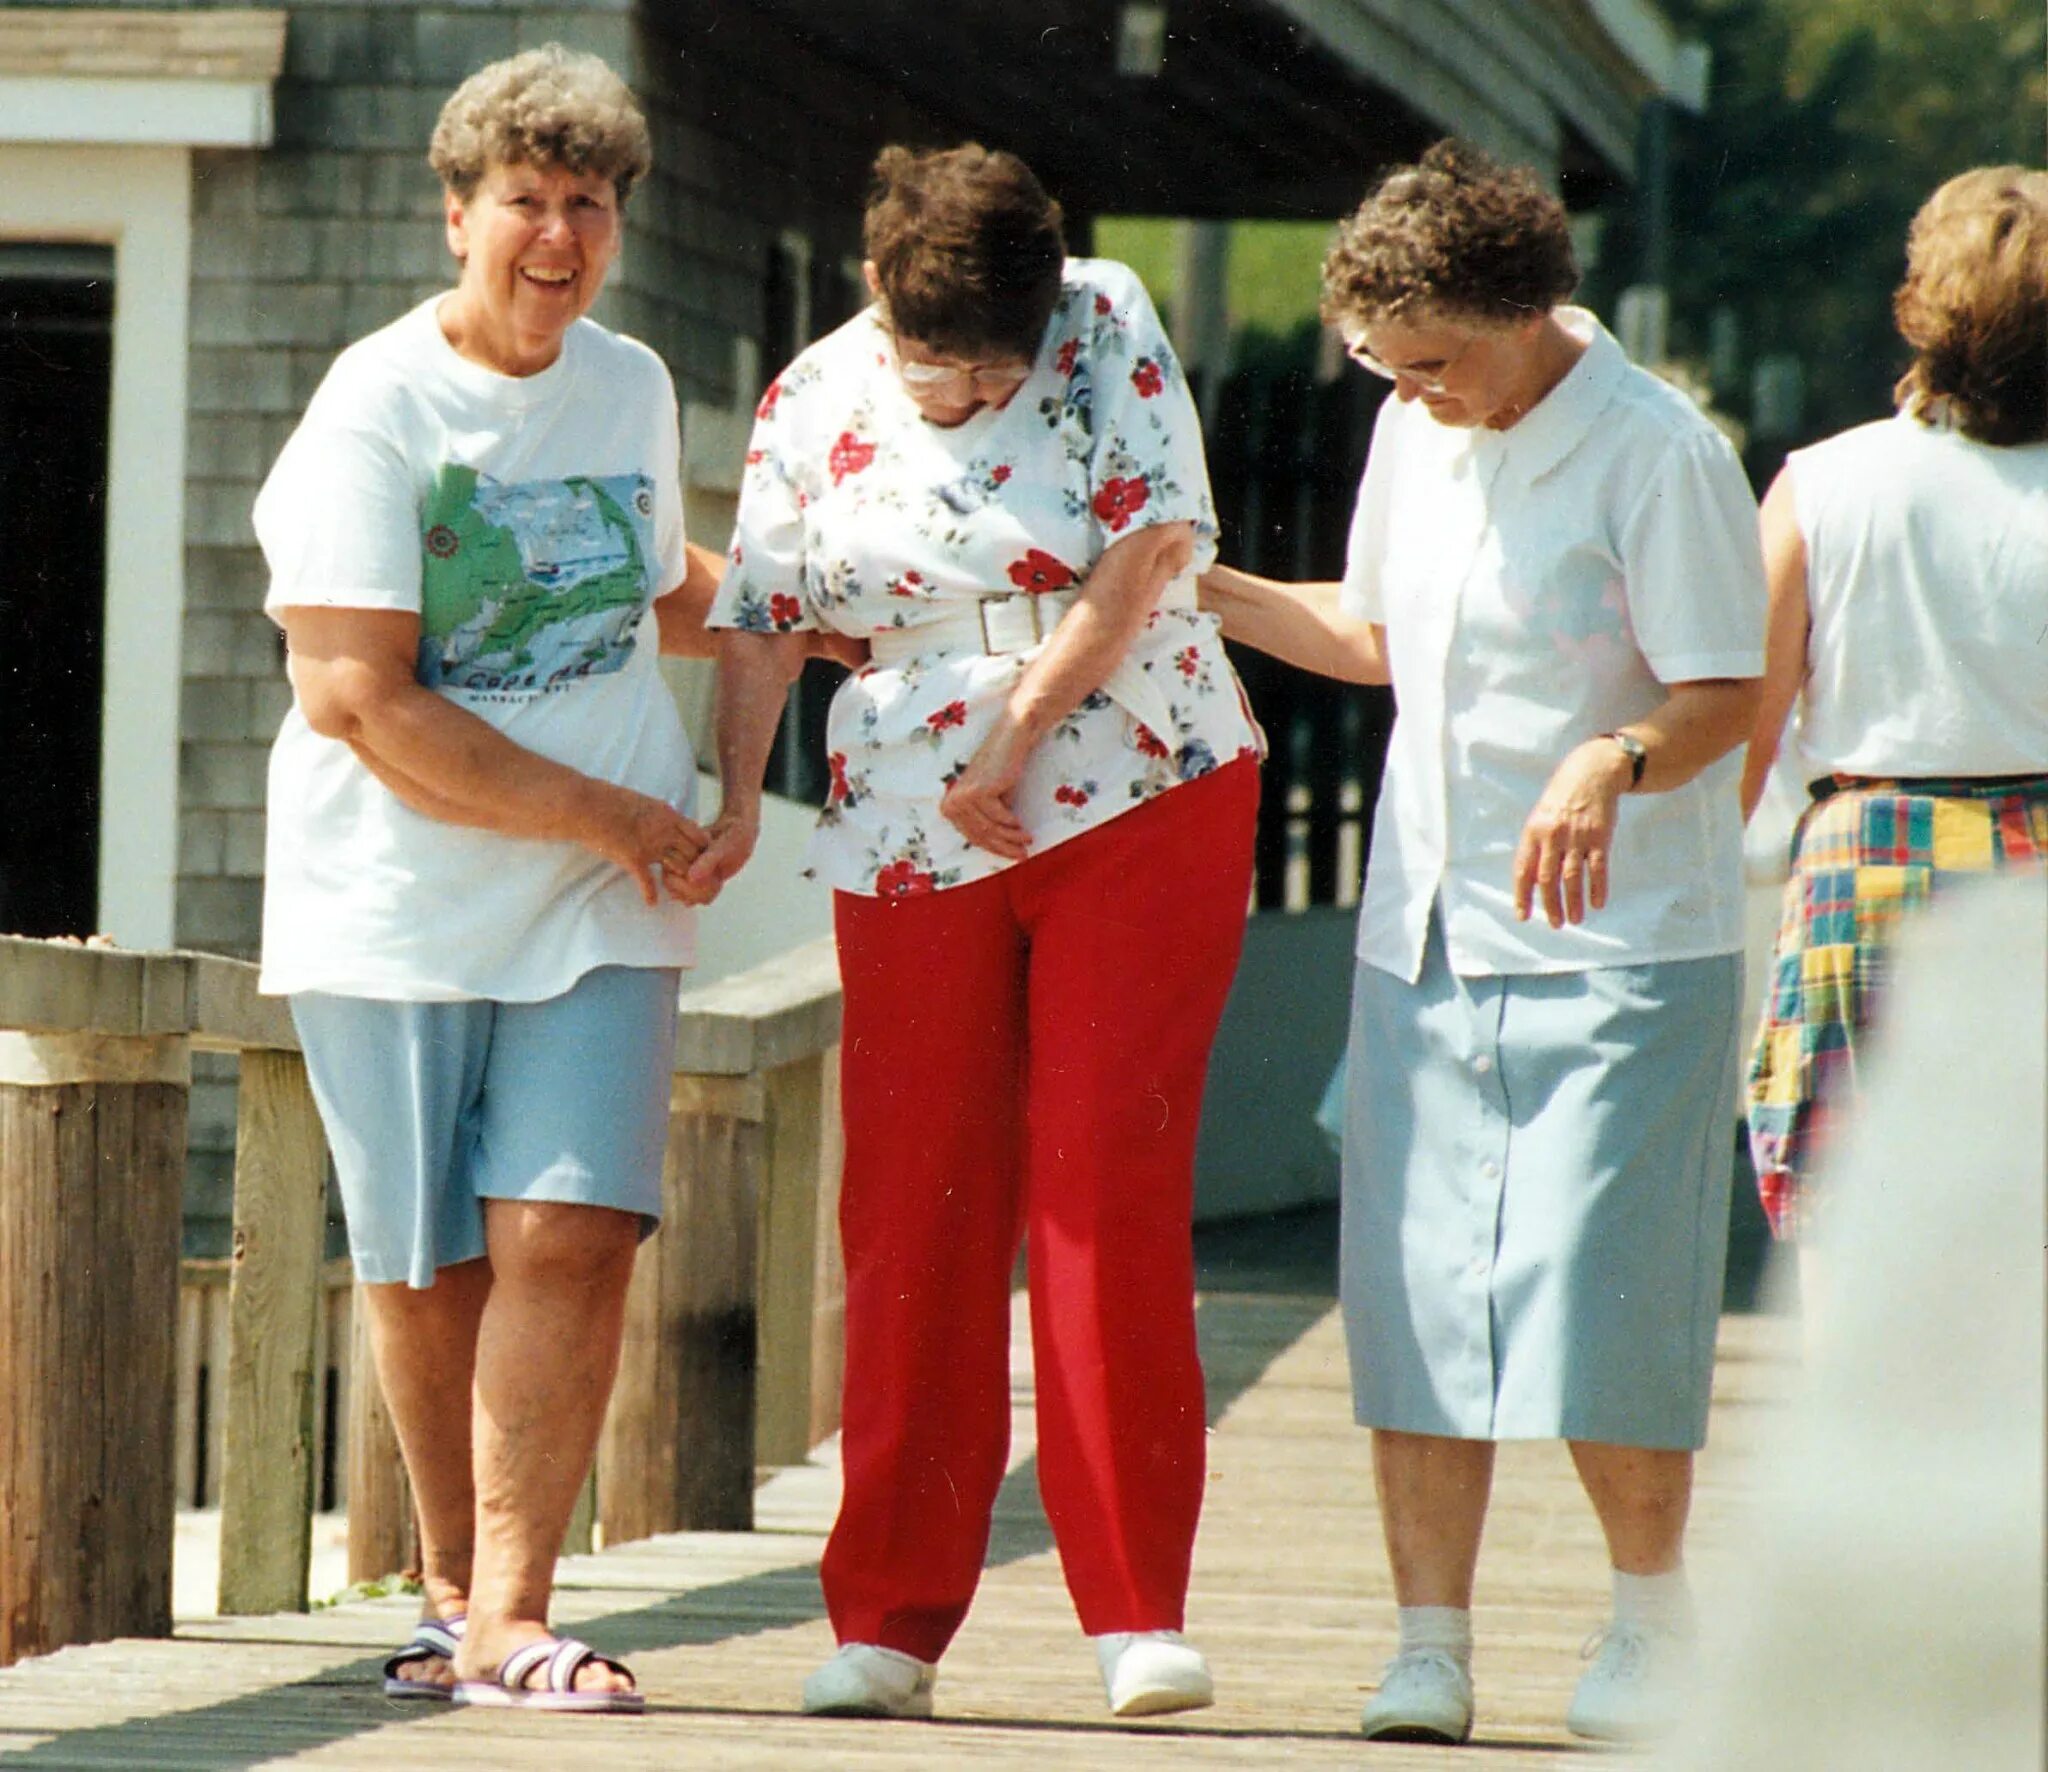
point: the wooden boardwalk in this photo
(1291, 1603)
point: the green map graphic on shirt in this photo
(533, 584)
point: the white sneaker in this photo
(866, 1680)
(1424, 1695)
(1633, 1690)
(1148, 1673)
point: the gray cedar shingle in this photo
(450, 45)
(225, 776)
(220, 915)
(309, 180)
(214, 710)
(225, 379)
(202, 841)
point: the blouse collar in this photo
(1567, 415)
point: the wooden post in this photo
(92, 1168)
(828, 1286)
(274, 1305)
(786, 1271)
(383, 1532)
(677, 1451)
(582, 1533)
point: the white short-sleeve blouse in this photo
(1539, 586)
(858, 515)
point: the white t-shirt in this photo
(529, 521)
(1927, 578)
(1539, 586)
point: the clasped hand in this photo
(653, 842)
(728, 844)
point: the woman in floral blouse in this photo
(1039, 835)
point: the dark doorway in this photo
(56, 348)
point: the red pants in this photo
(1027, 1053)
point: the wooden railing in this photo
(731, 1358)
(200, 1415)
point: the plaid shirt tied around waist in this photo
(1865, 852)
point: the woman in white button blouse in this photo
(1554, 562)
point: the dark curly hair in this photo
(1974, 306)
(547, 107)
(967, 247)
(1456, 235)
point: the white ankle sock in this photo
(1448, 1628)
(1656, 1602)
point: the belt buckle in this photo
(989, 642)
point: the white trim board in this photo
(182, 113)
(137, 200)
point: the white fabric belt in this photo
(1020, 621)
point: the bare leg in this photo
(1433, 1493)
(425, 1346)
(1642, 1496)
(547, 1352)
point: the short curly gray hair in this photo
(1455, 235)
(547, 107)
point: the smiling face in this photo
(1466, 373)
(535, 244)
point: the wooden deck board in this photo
(1291, 1601)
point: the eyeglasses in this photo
(1429, 383)
(987, 378)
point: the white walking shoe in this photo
(866, 1680)
(1634, 1688)
(1424, 1695)
(1149, 1673)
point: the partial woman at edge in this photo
(1908, 570)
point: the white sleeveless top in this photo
(1927, 578)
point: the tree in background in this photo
(1828, 123)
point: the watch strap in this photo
(1634, 750)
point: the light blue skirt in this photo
(1535, 1213)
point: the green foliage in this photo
(383, 1588)
(1274, 280)
(1828, 124)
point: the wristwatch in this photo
(1632, 749)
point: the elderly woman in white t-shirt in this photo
(1554, 562)
(1908, 569)
(478, 822)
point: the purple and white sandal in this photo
(556, 1688)
(430, 1637)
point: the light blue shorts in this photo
(1535, 1216)
(432, 1108)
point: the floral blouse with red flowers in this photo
(858, 515)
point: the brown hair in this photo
(1974, 306)
(967, 248)
(548, 107)
(1456, 234)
